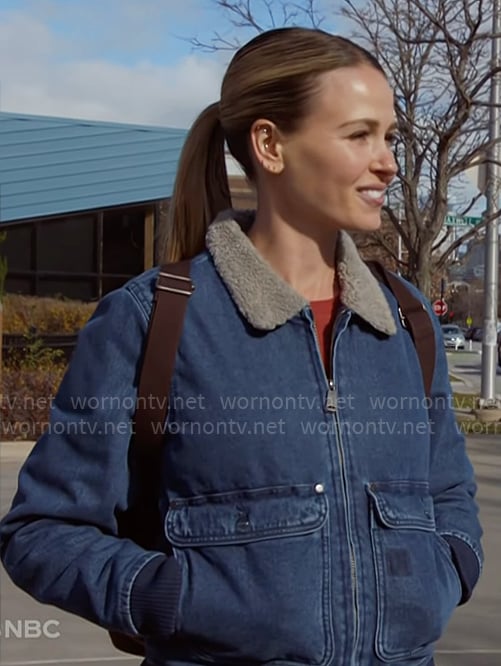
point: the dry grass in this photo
(25, 314)
(26, 395)
(31, 377)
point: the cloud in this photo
(45, 71)
(126, 26)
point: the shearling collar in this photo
(266, 300)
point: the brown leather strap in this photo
(415, 317)
(141, 522)
(173, 289)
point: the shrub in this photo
(27, 392)
(23, 314)
(31, 375)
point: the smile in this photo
(373, 197)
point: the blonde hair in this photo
(274, 77)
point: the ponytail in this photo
(201, 189)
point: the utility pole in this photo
(489, 355)
(399, 240)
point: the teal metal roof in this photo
(51, 166)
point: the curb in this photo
(463, 386)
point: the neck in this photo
(305, 261)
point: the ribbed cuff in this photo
(155, 597)
(466, 563)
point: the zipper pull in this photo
(331, 399)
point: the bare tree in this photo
(436, 54)
(257, 16)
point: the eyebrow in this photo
(369, 121)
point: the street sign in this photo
(461, 221)
(469, 321)
(440, 307)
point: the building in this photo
(81, 201)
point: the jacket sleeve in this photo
(59, 540)
(452, 482)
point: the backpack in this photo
(173, 289)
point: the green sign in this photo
(461, 221)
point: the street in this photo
(467, 366)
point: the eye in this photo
(360, 135)
(392, 138)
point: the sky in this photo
(114, 60)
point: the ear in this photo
(267, 146)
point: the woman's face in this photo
(338, 164)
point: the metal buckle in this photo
(173, 290)
(403, 318)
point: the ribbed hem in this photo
(466, 563)
(155, 597)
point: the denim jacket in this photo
(310, 517)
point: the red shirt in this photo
(324, 313)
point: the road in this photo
(467, 365)
(54, 638)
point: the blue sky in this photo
(117, 60)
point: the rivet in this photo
(319, 488)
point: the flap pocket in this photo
(403, 505)
(245, 516)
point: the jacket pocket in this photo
(418, 586)
(255, 574)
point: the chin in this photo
(365, 224)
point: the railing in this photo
(14, 342)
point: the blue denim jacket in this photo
(313, 518)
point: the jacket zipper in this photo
(331, 407)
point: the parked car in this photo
(474, 333)
(469, 332)
(478, 335)
(453, 337)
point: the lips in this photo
(373, 196)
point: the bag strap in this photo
(173, 289)
(414, 317)
(141, 522)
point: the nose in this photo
(384, 163)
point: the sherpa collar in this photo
(266, 300)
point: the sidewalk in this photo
(11, 451)
(467, 367)
(473, 637)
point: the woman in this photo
(318, 510)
